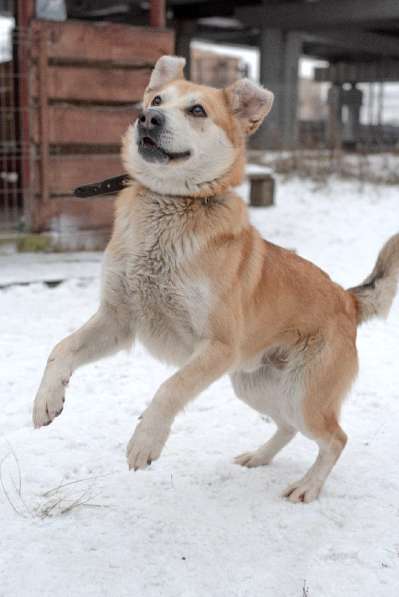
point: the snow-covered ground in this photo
(25, 268)
(74, 521)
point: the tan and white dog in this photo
(187, 275)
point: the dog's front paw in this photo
(48, 404)
(147, 442)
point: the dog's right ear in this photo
(250, 104)
(167, 69)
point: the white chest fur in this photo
(168, 302)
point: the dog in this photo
(187, 274)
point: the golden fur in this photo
(189, 276)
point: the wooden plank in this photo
(93, 84)
(106, 42)
(81, 125)
(70, 214)
(68, 172)
(329, 13)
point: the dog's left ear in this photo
(167, 69)
(250, 103)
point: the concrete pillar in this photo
(279, 61)
(292, 54)
(271, 51)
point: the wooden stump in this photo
(262, 189)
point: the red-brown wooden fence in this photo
(84, 85)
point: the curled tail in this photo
(375, 295)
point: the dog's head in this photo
(187, 136)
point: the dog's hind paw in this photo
(252, 459)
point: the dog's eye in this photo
(156, 101)
(198, 111)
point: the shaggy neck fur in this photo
(186, 187)
(174, 222)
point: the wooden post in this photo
(262, 189)
(43, 115)
(157, 13)
(184, 34)
(25, 11)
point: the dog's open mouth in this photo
(154, 153)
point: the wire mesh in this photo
(14, 150)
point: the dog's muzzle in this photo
(150, 125)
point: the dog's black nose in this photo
(151, 120)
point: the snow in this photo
(25, 268)
(194, 524)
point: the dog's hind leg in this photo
(265, 454)
(263, 389)
(327, 380)
(104, 334)
(308, 488)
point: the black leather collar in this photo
(104, 187)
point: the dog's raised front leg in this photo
(211, 361)
(104, 334)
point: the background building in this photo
(66, 65)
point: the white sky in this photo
(6, 25)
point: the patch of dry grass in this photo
(57, 501)
(319, 165)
